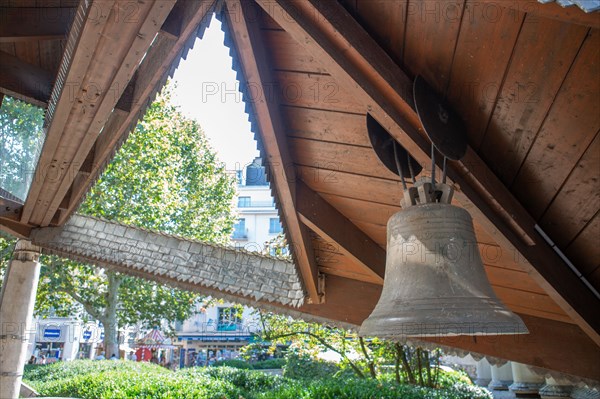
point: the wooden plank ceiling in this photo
(516, 93)
(525, 77)
(520, 101)
(32, 40)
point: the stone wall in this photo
(211, 269)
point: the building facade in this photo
(258, 221)
(216, 333)
(63, 339)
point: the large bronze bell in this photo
(435, 283)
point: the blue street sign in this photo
(52, 333)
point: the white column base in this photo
(501, 377)
(526, 382)
(556, 389)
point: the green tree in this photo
(165, 178)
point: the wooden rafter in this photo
(88, 93)
(332, 36)
(330, 224)
(24, 81)
(34, 23)
(159, 62)
(266, 107)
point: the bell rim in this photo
(438, 330)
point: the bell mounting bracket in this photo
(391, 153)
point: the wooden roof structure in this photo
(525, 77)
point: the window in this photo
(244, 202)
(229, 319)
(239, 229)
(274, 226)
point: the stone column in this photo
(556, 388)
(484, 373)
(501, 377)
(16, 310)
(525, 382)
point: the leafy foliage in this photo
(269, 364)
(234, 363)
(302, 367)
(122, 379)
(244, 365)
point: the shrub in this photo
(247, 380)
(38, 373)
(304, 368)
(450, 378)
(235, 363)
(354, 388)
(269, 364)
(112, 380)
(244, 365)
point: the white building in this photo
(258, 221)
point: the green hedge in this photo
(123, 380)
(260, 365)
(304, 368)
(353, 388)
(235, 363)
(269, 364)
(120, 380)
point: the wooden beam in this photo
(24, 81)
(14, 228)
(332, 36)
(106, 52)
(257, 73)
(551, 344)
(331, 225)
(34, 23)
(10, 209)
(161, 60)
(174, 22)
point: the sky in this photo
(207, 90)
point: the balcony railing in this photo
(213, 326)
(256, 204)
